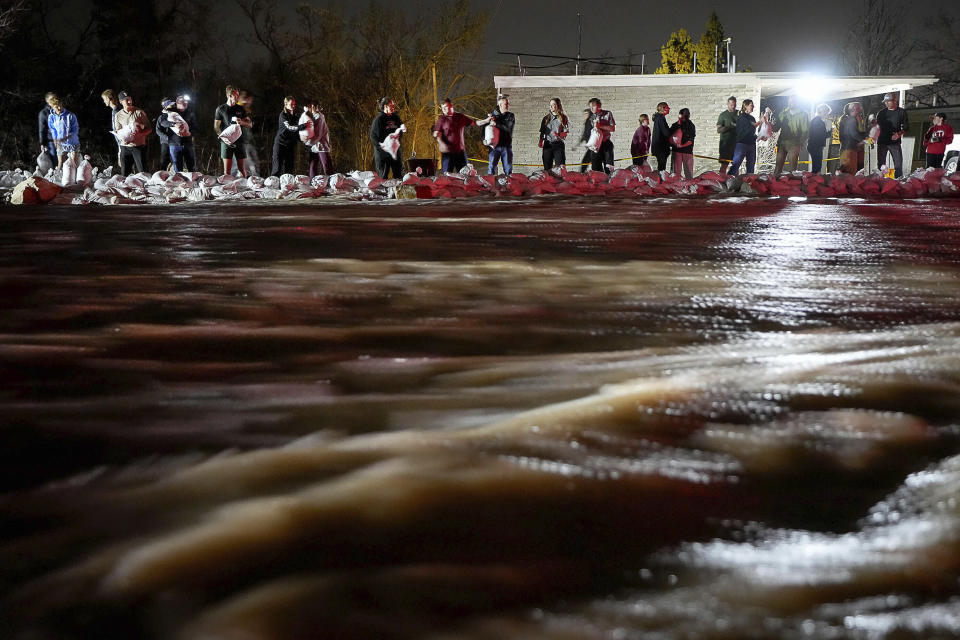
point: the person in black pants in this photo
(553, 131)
(584, 138)
(165, 159)
(288, 137)
(660, 136)
(386, 123)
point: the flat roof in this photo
(771, 83)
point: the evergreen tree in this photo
(710, 46)
(676, 55)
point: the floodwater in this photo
(553, 418)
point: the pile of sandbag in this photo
(165, 187)
(634, 181)
(921, 183)
(162, 187)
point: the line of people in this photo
(739, 132)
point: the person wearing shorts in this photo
(223, 118)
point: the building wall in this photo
(705, 101)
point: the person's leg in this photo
(816, 159)
(781, 158)
(166, 156)
(275, 164)
(881, 155)
(189, 157)
(596, 160)
(459, 161)
(547, 156)
(379, 163)
(688, 165)
(896, 152)
(313, 161)
(507, 156)
(673, 161)
(751, 157)
(560, 155)
(662, 160)
(226, 154)
(739, 153)
(935, 160)
(396, 166)
(445, 162)
(176, 157)
(793, 158)
(137, 153)
(607, 149)
(125, 161)
(326, 162)
(586, 160)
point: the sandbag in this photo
(231, 134)
(125, 134)
(491, 135)
(593, 143)
(178, 124)
(85, 171)
(44, 163)
(306, 134)
(69, 171)
(34, 190)
(391, 144)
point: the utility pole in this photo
(694, 62)
(579, 42)
(643, 60)
(436, 107)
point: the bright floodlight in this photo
(811, 88)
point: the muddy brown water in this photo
(550, 418)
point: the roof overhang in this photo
(771, 84)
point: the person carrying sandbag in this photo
(131, 126)
(225, 117)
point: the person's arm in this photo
(376, 136)
(564, 127)
(218, 124)
(693, 134)
(74, 126)
(144, 122)
(51, 127)
(947, 134)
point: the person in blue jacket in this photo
(64, 131)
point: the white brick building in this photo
(627, 96)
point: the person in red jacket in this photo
(936, 139)
(640, 145)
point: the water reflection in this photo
(556, 419)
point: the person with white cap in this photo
(131, 126)
(893, 123)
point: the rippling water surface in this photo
(558, 418)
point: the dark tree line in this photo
(346, 58)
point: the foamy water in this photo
(558, 418)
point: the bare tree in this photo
(940, 56)
(877, 42)
(9, 12)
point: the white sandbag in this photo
(287, 181)
(159, 177)
(69, 172)
(271, 182)
(44, 163)
(255, 182)
(765, 132)
(306, 134)
(85, 171)
(125, 134)
(391, 144)
(178, 124)
(231, 134)
(491, 135)
(593, 143)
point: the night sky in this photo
(772, 36)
